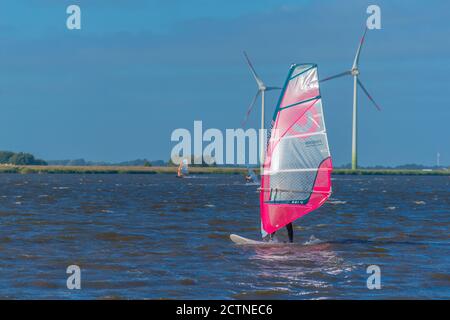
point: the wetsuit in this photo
(290, 231)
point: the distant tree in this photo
(77, 162)
(158, 163)
(170, 163)
(147, 164)
(202, 162)
(5, 156)
(411, 166)
(21, 158)
(40, 162)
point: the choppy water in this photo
(155, 236)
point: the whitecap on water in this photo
(391, 208)
(313, 240)
(336, 201)
(419, 202)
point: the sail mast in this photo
(262, 145)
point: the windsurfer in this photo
(251, 177)
(179, 171)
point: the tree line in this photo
(20, 158)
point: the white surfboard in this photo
(242, 240)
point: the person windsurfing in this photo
(179, 173)
(297, 166)
(183, 169)
(251, 177)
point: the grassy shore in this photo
(192, 170)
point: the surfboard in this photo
(245, 241)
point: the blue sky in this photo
(137, 70)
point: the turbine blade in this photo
(252, 69)
(273, 88)
(250, 108)
(346, 73)
(368, 95)
(358, 52)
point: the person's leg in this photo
(290, 231)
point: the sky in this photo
(137, 70)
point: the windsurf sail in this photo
(184, 167)
(297, 168)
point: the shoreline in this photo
(192, 170)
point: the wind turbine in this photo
(354, 71)
(262, 88)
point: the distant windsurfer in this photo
(251, 177)
(290, 231)
(179, 174)
(183, 169)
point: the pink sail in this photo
(297, 169)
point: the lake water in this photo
(155, 236)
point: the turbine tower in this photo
(354, 72)
(262, 88)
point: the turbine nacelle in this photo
(355, 72)
(261, 87)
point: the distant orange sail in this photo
(179, 171)
(183, 168)
(297, 169)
